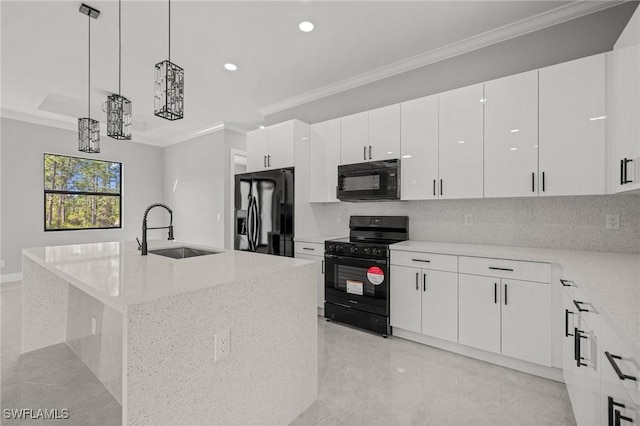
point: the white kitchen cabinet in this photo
(526, 329)
(274, 146)
(440, 304)
(419, 149)
(626, 118)
(315, 253)
(572, 127)
(511, 136)
(405, 298)
(354, 146)
(257, 150)
(479, 312)
(384, 133)
(324, 160)
(461, 143)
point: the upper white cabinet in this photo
(384, 133)
(419, 149)
(626, 118)
(355, 138)
(572, 127)
(324, 160)
(511, 136)
(273, 147)
(461, 143)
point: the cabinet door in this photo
(319, 278)
(572, 127)
(419, 148)
(354, 146)
(461, 143)
(281, 145)
(384, 133)
(405, 298)
(257, 150)
(440, 304)
(526, 321)
(626, 109)
(325, 156)
(585, 392)
(511, 136)
(479, 312)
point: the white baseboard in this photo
(505, 361)
(10, 278)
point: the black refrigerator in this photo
(264, 212)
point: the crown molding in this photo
(537, 22)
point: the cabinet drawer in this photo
(503, 268)
(440, 262)
(624, 359)
(313, 249)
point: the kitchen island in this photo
(146, 327)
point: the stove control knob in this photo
(367, 250)
(331, 247)
(376, 251)
(353, 250)
(339, 248)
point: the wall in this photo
(198, 186)
(631, 34)
(21, 175)
(550, 222)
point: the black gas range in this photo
(357, 277)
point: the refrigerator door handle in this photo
(250, 223)
(256, 224)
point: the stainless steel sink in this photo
(182, 252)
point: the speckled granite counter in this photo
(145, 326)
(612, 278)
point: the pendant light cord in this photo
(169, 30)
(89, 18)
(119, 47)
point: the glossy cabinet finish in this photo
(461, 143)
(511, 136)
(324, 160)
(626, 119)
(257, 150)
(384, 133)
(355, 138)
(572, 127)
(405, 298)
(282, 138)
(440, 304)
(479, 312)
(419, 149)
(315, 253)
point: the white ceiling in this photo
(44, 53)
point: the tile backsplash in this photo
(576, 223)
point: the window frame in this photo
(57, 191)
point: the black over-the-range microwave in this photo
(371, 181)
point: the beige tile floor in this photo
(364, 380)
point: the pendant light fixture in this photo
(169, 86)
(89, 129)
(119, 107)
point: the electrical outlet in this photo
(94, 325)
(339, 218)
(612, 221)
(222, 345)
(468, 219)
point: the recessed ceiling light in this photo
(306, 26)
(230, 67)
(460, 141)
(513, 149)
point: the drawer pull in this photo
(564, 283)
(308, 248)
(500, 269)
(616, 368)
(420, 260)
(580, 309)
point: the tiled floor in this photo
(364, 380)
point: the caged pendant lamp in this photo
(169, 86)
(89, 129)
(119, 107)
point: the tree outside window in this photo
(81, 193)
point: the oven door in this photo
(357, 283)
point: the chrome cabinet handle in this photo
(616, 368)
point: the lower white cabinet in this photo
(314, 252)
(506, 316)
(425, 301)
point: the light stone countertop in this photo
(613, 279)
(117, 274)
(317, 239)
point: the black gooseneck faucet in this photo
(143, 246)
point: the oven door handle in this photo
(357, 261)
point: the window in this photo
(80, 193)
